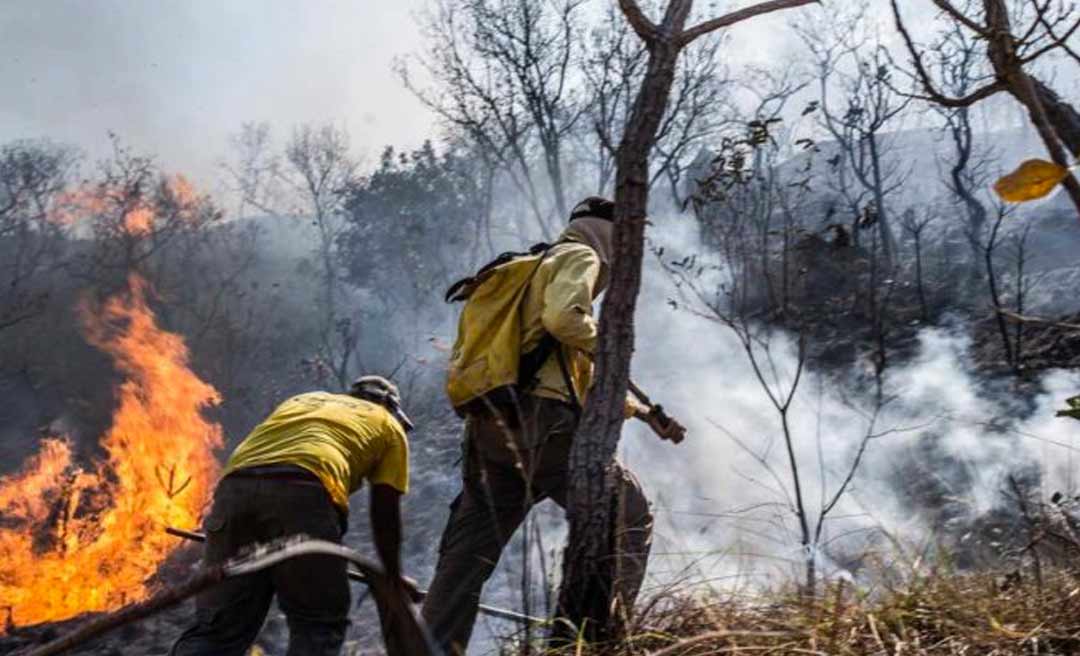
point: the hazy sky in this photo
(175, 77)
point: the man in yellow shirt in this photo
(291, 475)
(516, 457)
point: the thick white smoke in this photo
(724, 514)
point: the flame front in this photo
(74, 541)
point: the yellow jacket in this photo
(559, 301)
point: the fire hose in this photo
(404, 632)
(360, 576)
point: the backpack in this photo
(487, 369)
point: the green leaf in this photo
(1073, 409)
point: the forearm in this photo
(386, 527)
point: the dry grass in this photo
(954, 614)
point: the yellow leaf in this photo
(1033, 180)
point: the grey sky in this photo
(176, 78)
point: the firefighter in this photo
(293, 474)
(517, 437)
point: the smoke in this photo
(724, 498)
(945, 445)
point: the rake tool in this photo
(358, 575)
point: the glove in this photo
(665, 427)
(411, 589)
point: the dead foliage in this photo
(936, 614)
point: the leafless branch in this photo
(1038, 321)
(740, 15)
(960, 17)
(932, 94)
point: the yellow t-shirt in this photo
(341, 439)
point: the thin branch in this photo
(932, 94)
(1056, 42)
(1038, 321)
(738, 16)
(947, 7)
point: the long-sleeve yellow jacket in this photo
(559, 301)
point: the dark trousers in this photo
(312, 591)
(506, 471)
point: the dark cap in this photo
(596, 207)
(380, 390)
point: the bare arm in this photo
(386, 526)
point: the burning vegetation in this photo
(80, 538)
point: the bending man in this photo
(293, 475)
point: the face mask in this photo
(598, 234)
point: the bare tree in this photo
(32, 177)
(781, 385)
(915, 225)
(957, 62)
(584, 592)
(612, 67)
(989, 247)
(503, 79)
(859, 67)
(1018, 285)
(322, 168)
(309, 181)
(1013, 46)
(1023, 283)
(256, 170)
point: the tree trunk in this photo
(995, 296)
(888, 240)
(585, 593)
(1062, 115)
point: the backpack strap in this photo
(568, 381)
(532, 361)
(460, 290)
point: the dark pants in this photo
(312, 591)
(506, 471)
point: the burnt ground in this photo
(1043, 346)
(847, 325)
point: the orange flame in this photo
(75, 541)
(135, 210)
